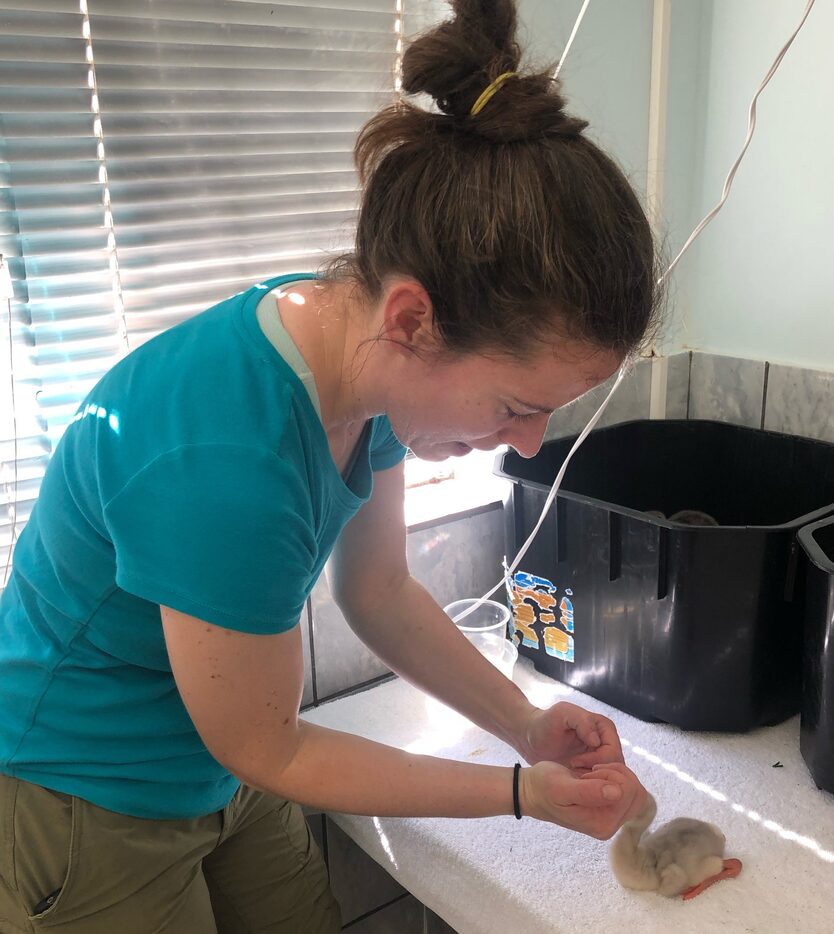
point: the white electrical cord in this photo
(571, 37)
(751, 126)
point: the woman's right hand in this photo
(584, 803)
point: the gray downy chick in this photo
(678, 855)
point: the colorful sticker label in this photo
(540, 617)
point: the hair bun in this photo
(458, 60)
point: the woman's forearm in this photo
(337, 771)
(416, 639)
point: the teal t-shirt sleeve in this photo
(385, 448)
(223, 532)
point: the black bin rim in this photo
(794, 526)
(812, 548)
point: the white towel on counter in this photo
(502, 876)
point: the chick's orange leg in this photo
(732, 867)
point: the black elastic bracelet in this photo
(516, 804)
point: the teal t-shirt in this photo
(197, 475)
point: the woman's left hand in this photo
(575, 738)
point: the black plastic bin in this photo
(817, 721)
(696, 626)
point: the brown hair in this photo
(518, 226)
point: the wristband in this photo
(516, 804)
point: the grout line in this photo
(494, 503)
(689, 385)
(358, 688)
(368, 914)
(764, 393)
(309, 608)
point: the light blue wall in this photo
(759, 283)
(606, 74)
(681, 178)
(606, 80)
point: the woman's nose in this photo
(526, 437)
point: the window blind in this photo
(64, 332)
(158, 156)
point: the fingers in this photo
(604, 755)
(620, 768)
(601, 787)
(610, 737)
(635, 794)
(578, 773)
(617, 774)
(583, 723)
(595, 803)
(592, 792)
(596, 732)
(587, 760)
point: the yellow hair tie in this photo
(482, 101)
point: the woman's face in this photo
(444, 409)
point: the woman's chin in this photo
(441, 450)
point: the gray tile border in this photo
(726, 389)
(629, 402)
(677, 385)
(454, 517)
(360, 885)
(800, 402)
(308, 696)
(342, 660)
(453, 560)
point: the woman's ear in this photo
(408, 315)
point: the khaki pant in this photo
(252, 867)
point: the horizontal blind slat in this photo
(38, 7)
(33, 75)
(21, 48)
(33, 24)
(306, 36)
(240, 145)
(194, 168)
(145, 321)
(121, 101)
(235, 11)
(201, 79)
(264, 238)
(54, 289)
(246, 228)
(362, 55)
(171, 193)
(29, 130)
(22, 152)
(249, 269)
(287, 206)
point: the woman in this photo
(152, 761)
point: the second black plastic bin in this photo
(696, 626)
(817, 724)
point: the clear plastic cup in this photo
(506, 659)
(486, 629)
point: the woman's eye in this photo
(518, 417)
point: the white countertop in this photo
(502, 876)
